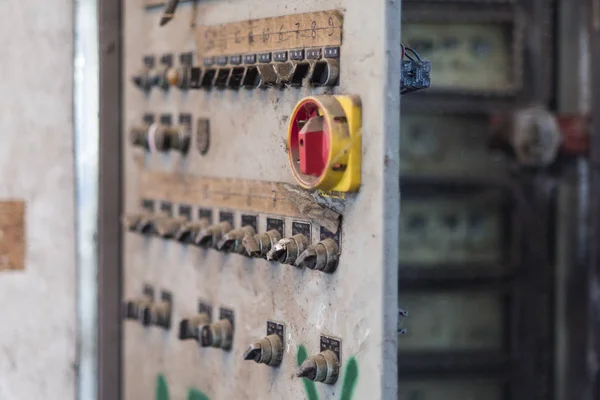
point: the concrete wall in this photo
(38, 328)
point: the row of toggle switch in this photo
(317, 67)
(270, 245)
(163, 135)
(322, 367)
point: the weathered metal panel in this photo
(358, 303)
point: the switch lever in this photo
(322, 256)
(169, 12)
(191, 328)
(259, 245)
(210, 237)
(232, 241)
(323, 367)
(268, 350)
(287, 250)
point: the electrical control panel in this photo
(261, 206)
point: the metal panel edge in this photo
(110, 202)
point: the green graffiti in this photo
(350, 379)
(194, 394)
(309, 386)
(162, 388)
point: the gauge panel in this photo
(448, 146)
(453, 321)
(436, 232)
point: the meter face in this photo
(464, 56)
(436, 232)
(453, 321)
(449, 390)
(448, 146)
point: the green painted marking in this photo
(162, 388)
(350, 379)
(309, 386)
(195, 394)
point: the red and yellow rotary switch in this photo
(324, 143)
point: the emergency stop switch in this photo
(324, 143)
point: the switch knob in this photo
(162, 138)
(323, 367)
(133, 309)
(191, 328)
(287, 250)
(180, 138)
(179, 77)
(141, 223)
(218, 334)
(131, 222)
(158, 314)
(210, 236)
(189, 230)
(268, 350)
(232, 240)
(144, 79)
(322, 256)
(161, 78)
(259, 245)
(138, 136)
(168, 227)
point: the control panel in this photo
(261, 174)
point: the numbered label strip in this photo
(317, 29)
(237, 194)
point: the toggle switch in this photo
(219, 334)
(208, 77)
(287, 250)
(190, 230)
(259, 245)
(163, 136)
(325, 73)
(322, 256)
(144, 79)
(158, 313)
(132, 222)
(222, 79)
(212, 235)
(325, 366)
(191, 328)
(324, 143)
(236, 78)
(179, 76)
(168, 227)
(133, 309)
(138, 136)
(161, 77)
(142, 223)
(232, 241)
(268, 350)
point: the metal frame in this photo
(529, 17)
(589, 380)
(110, 202)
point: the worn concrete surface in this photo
(37, 338)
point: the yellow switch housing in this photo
(342, 140)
